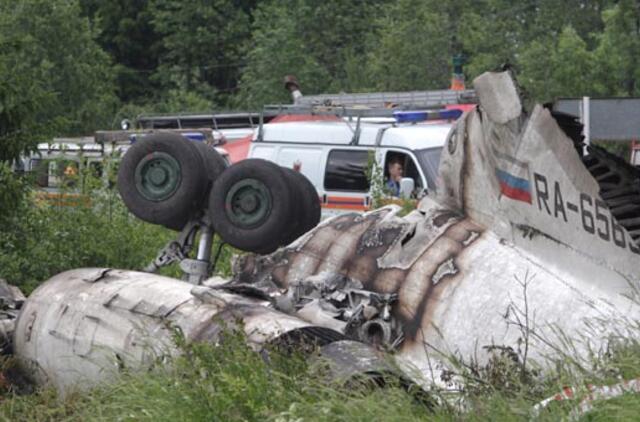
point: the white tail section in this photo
(521, 176)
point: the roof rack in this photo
(341, 110)
(224, 120)
(397, 115)
(413, 99)
(75, 140)
(324, 110)
(124, 136)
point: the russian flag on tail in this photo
(513, 176)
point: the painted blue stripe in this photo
(513, 181)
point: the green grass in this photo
(232, 382)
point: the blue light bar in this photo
(426, 115)
(194, 136)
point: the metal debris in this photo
(11, 300)
(445, 269)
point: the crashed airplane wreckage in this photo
(520, 214)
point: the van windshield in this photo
(429, 159)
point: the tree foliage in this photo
(56, 78)
(40, 238)
(570, 48)
(412, 49)
(177, 56)
(618, 49)
(276, 52)
(128, 36)
(325, 44)
(545, 74)
(201, 45)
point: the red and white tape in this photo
(594, 393)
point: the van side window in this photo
(347, 171)
(409, 168)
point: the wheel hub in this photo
(248, 203)
(158, 176)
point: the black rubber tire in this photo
(311, 201)
(172, 212)
(306, 206)
(265, 235)
(213, 164)
(297, 207)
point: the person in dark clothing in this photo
(396, 171)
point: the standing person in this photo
(396, 171)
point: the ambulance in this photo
(338, 150)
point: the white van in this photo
(335, 154)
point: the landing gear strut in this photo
(178, 250)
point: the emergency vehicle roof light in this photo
(426, 115)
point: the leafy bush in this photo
(12, 193)
(40, 238)
(88, 225)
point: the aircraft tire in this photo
(298, 208)
(162, 180)
(250, 205)
(308, 213)
(213, 164)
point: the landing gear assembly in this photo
(254, 205)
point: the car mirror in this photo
(407, 184)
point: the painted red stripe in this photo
(513, 193)
(345, 200)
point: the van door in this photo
(308, 160)
(346, 183)
(261, 150)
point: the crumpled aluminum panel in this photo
(84, 326)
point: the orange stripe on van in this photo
(63, 199)
(345, 202)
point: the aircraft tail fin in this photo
(524, 175)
